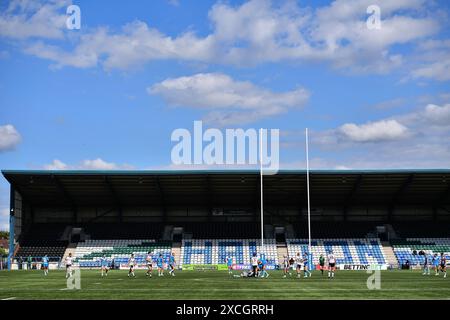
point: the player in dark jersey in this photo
(426, 266)
(321, 263)
(443, 265)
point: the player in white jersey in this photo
(131, 264)
(68, 262)
(149, 261)
(298, 264)
(254, 262)
(331, 265)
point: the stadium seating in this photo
(43, 239)
(404, 249)
(358, 251)
(422, 229)
(105, 231)
(336, 229)
(222, 230)
(215, 251)
(88, 253)
(43, 231)
(54, 249)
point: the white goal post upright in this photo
(261, 184)
(307, 187)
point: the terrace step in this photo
(389, 253)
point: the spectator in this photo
(407, 264)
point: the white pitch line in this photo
(230, 289)
(12, 298)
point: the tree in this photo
(4, 234)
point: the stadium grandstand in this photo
(381, 217)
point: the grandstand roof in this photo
(200, 187)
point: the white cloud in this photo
(418, 139)
(88, 164)
(438, 115)
(98, 164)
(433, 61)
(80, 58)
(28, 18)
(439, 70)
(383, 130)
(9, 137)
(229, 101)
(56, 165)
(135, 45)
(257, 31)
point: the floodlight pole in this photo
(261, 184)
(307, 187)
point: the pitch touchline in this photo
(226, 289)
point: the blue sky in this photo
(109, 95)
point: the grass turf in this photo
(219, 285)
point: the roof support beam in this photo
(101, 215)
(401, 190)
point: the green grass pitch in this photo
(219, 285)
